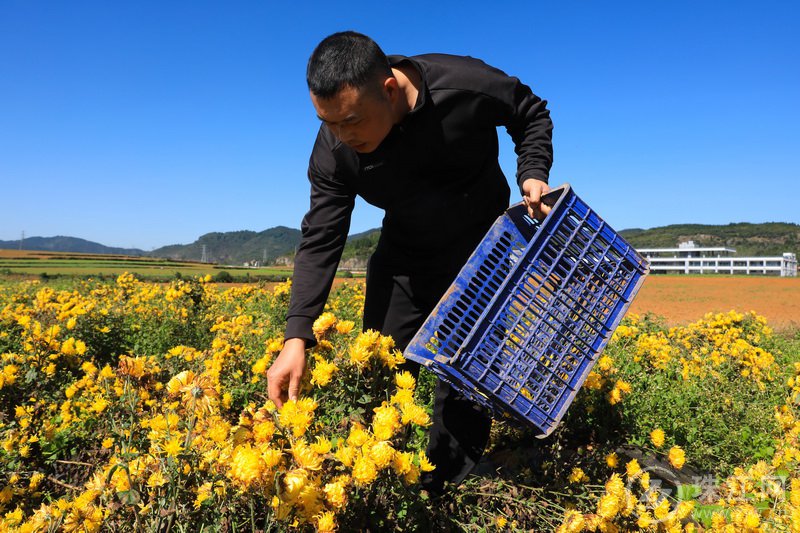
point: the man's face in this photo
(360, 119)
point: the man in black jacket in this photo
(415, 136)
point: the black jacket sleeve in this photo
(530, 127)
(524, 115)
(324, 233)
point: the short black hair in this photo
(345, 59)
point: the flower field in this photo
(135, 406)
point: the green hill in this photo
(236, 247)
(767, 239)
(67, 244)
(361, 245)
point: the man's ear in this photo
(391, 89)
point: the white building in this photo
(688, 258)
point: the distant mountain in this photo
(236, 247)
(358, 249)
(67, 244)
(766, 239)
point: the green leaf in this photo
(365, 399)
(129, 497)
(688, 492)
(703, 513)
(111, 472)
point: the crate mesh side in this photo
(462, 314)
(535, 352)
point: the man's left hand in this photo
(532, 191)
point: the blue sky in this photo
(141, 124)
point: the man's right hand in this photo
(532, 191)
(283, 377)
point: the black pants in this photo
(397, 305)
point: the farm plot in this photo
(681, 299)
(130, 406)
(16, 264)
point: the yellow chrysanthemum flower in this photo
(685, 508)
(271, 457)
(83, 519)
(614, 396)
(336, 493)
(415, 414)
(297, 415)
(203, 494)
(180, 383)
(386, 421)
(263, 431)
(612, 460)
(174, 446)
(402, 397)
(345, 326)
(323, 324)
(260, 367)
(156, 479)
(359, 355)
(425, 464)
(605, 363)
(346, 455)
(645, 520)
(615, 486)
(392, 358)
(13, 518)
(381, 454)
(657, 437)
(307, 405)
(358, 435)
(677, 457)
(305, 456)
(661, 510)
(99, 404)
(246, 465)
(294, 481)
(364, 471)
(326, 522)
(405, 380)
(632, 469)
(402, 462)
(35, 480)
(608, 506)
(323, 372)
(577, 476)
(573, 522)
(412, 476)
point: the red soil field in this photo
(684, 299)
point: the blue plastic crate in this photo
(528, 315)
